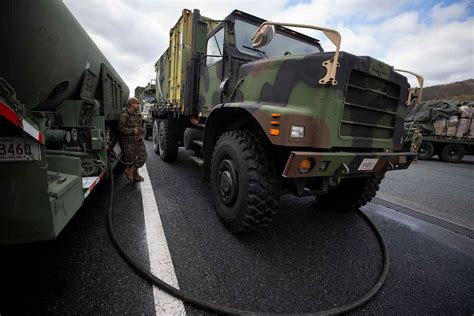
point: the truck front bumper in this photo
(319, 164)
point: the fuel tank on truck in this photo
(45, 52)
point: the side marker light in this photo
(274, 132)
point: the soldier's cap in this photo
(133, 100)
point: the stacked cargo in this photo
(461, 125)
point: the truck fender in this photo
(222, 118)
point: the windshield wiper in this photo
(260, 52)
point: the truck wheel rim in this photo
(453, 153)
(228, 182)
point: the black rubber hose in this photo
(212, 307)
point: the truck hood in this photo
(365, 109)
(284, 73)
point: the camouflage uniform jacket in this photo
(132, 144)
(128, 122)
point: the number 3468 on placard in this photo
(19, 149)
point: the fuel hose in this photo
(188, 298)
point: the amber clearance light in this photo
(274, 132)
(306, 165)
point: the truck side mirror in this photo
(263, 36)
(199, 34)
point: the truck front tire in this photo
(353, 193)
(164, 143)
(244, 182)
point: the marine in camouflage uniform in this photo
(416, 140)
(133, 147)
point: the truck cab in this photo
(229, 46)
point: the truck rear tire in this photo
(353, 193)
(165, 144)
(244, 182)
(452, 153)
(426, 151)
(154, 135)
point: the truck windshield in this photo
(279, 46)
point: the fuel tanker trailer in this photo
(60, 101)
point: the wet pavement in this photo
(310, 258)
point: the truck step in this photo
(197, 160)
(198, 142)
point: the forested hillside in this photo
(460, 90)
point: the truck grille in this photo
(370, 107)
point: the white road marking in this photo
(161, 263)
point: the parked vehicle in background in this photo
(447, 128)
(147, 97)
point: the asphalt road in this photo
(310, 258)
(80, 272)
(445, 190)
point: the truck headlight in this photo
(145, 116)
(297, 131)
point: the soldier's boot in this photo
(136, 176)
(130, 173)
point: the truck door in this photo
(212, 73)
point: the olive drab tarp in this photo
(426, 115)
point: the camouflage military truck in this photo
(268, 112)
(147, 96)
(60, 101)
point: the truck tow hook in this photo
(340, 172)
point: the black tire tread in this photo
(263, 189)
(353, 193)
(429, 154)
(443, 154)
(170, 146)
(155, 144)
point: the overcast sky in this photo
(433, 38)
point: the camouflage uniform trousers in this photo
(134, 151)
(416, 141)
